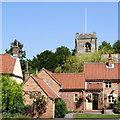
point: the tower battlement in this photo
(84, 36)
(86, 42)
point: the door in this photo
(95, 101)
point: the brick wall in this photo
(43, 75)
(31, 85)
(68, 98)
(108, 91)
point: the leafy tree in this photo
(12, 98)
(62, 53)
(46, 59)
(74, 64)
(106, 47)
(116, 46)
(22, 54)
(60, 108)
(73, 52)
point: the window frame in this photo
(108, 84)
(75, 97)
(110, 99)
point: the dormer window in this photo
(108, 84)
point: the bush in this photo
(60, 108)
(12, 97)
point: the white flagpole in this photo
(85, 22)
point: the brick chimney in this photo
(26, 73)
(15, 49)
(110, 60)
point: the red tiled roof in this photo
(100, 71)
(7, 63)
(94, 86)
(71, 80)
(50, 74)
(46, 87)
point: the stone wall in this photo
(81, 40)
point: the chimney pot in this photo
(110, 60)
(15, 49)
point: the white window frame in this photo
(108, 83)
(75, 97)
(110, 99)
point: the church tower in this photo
(85, 43)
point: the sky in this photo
(41, 26)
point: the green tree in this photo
(116, 46)
(60, 108)
(105, 47)
(46, 59)
(73, 52)
(74, 64)
(12, 97)
(62, 53)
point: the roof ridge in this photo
(52, 76)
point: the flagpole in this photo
(85, 22)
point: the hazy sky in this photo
(46, 26)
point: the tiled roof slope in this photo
(94, 86)
(71, 80)
(100, 71)
(50, 74)
(7, 63)
(45, 87)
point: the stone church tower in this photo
(85, 43)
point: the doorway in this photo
(95, 101)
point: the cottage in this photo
(10, 64)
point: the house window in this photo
(108, 84)
(75, 97)
(110, 99)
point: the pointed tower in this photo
(26, 73)
(15, 49)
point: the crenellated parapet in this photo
(86, 42)
(85, 36)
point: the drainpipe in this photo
(83, 92)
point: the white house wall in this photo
(18, 71)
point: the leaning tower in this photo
(85, 43)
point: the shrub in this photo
(60, 108)
(12, 97)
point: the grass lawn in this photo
(95, 116)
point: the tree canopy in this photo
(49, 59)
(106, 47)
(116, 46)
(74, 64)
